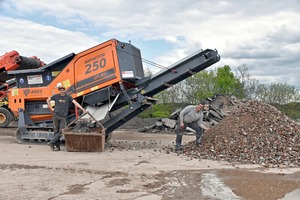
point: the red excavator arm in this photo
(9, 61)
(12, 61)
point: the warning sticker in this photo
(80, 93)
(94, 88)
(66, 83)
(55, 73)
(35, 79)
(127, 74)
(15, 92)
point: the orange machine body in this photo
(81, 74)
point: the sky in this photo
(264, 35)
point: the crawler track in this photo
(36, 136)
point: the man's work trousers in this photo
(59, 123)
(180, 131)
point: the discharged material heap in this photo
(256, 133)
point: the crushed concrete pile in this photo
(83, 126)
(256, 133)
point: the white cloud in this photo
(262, 33)
(48, 42)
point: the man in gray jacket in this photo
(191, 116)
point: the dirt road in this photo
(133, 166)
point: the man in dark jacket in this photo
(60, 114)
(191, 116)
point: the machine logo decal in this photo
(26, 92)
(34, 92)
(106, 75)
(95, 63)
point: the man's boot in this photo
(198, 141)
(51, 146)
(57, 146)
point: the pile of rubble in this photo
(82, 126)
(254, 133)
(248, 132)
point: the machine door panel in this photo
(96, 68)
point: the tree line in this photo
(223, 80)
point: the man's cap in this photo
(61, 87)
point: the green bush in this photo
(161, 110)
(292, 110)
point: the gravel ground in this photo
(133, 166)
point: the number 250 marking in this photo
(96, 65)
